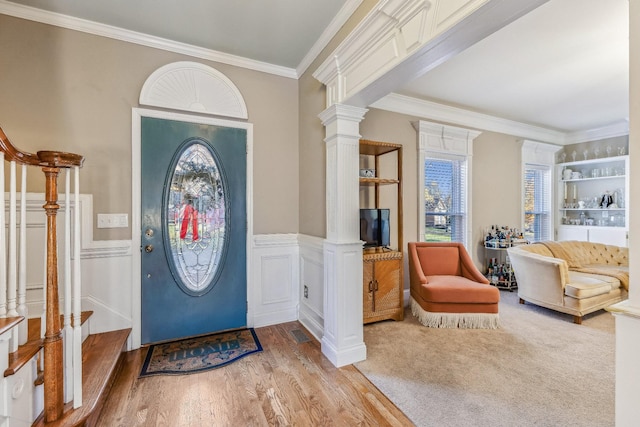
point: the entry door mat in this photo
(199, 354)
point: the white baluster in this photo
(43, 317)
(12, 282)
(77, 285)
(22, 261)
(67, 329)
(3, 252)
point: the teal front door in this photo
(193, 242)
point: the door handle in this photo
(148, 248)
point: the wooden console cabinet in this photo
(383, 287)
(383, 272)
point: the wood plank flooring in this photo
(288, 383)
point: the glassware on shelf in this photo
(621, 151)
(562, 157)
(609, 149)
(585, 153)
(573, 155)
(596, 153)
(618, 197)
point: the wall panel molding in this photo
(275, 279)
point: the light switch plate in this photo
(120, 220)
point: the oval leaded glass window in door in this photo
(195, 217)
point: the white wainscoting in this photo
(311, 313)
(274, 286)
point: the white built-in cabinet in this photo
(582, 185)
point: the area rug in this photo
(199, 354)
(538, 369)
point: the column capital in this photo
(342, 111)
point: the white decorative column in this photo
(342, 342)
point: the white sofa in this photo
(572, 277)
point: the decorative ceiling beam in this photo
(400, 40)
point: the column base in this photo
(343, 356)
(343, 335)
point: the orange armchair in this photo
(447, 290)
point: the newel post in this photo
(53, 374)
(51, 162)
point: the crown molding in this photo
(327, 35)
(91, 27)
(611, 131)
(444, 113)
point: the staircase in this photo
(55, 372)
(102, 361)
(101, 364)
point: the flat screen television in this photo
(374, 227)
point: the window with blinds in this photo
(537, 202)
(445, 199)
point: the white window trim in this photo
(449, 142)
(541, 154)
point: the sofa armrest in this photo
(539, 277)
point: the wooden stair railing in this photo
(50, 162)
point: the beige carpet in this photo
(538, 369)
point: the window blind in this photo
(445, 198)
(537, 202)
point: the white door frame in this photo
(136, 197)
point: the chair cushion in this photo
(585, 285)
(457, 289)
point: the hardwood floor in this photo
(288, 383)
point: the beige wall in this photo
(312, 150)
(69, 91)
(496, 186)
(495, 176)
(380, 125)
(312, 158)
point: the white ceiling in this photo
(563, 66)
